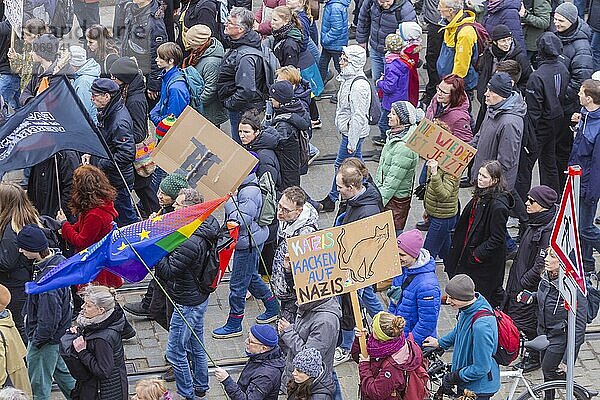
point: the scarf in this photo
(196, 55)
(83, 321)
(381, 349)
(282, 32)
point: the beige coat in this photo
(12, 354)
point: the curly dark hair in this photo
(91, 189)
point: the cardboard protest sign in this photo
(432, 142)
(344, 258)
(13, 10)
(211, 161)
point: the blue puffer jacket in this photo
(586, 153)
(506, 12)
(174, 96)
(334, 26)
(474, 346)
(375, 23)
(249, 201)
(420, 304)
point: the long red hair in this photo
(91, 189)
(457, 94)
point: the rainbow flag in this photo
(152, 239)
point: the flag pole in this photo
(57, 182)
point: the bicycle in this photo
(438, 368)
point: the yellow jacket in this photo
(467, 38)
(12, 353)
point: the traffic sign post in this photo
(571, 277)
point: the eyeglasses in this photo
(231, 23)
(441, 91)
(250, 341)
(285, 210)
(530, 200)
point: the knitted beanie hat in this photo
(569, 11)
(461, 287)
(265, 334)
(197, 35)
(407, 113)
(410, 31)
(501, 84)
(500, 32)
(78, 56)
(410, 242)
(394, 43)
(543, 195)
(172, 184)
(309, 361)
(163, 126)
(32, 238)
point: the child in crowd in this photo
(410, 32)
(151, 389)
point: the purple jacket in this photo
(457, 118)
(394, 84)
(505, 12)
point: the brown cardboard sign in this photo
(211, 161)
(344, 258)
(432, 142)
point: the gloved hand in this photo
(394, 293)
(450, 380)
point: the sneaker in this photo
(326, 205)
(423, 226)
(232, 328)
(168, 375)
(512, 222)
(316, 124)
(199, 394)
(333, 99)
(136, 309)
(352, 32)
(128, 333)
(314, 156)
(465, 182)
(378, 140)
(597, 221)
(340, 356)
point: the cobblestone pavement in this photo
(145, 353)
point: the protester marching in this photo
(175, 152)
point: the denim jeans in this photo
(596, 49)
(581, 5)
(377, 63)
(370, 301)
(234, 119)
(326, 56)
(10, 89)
(180, 343)
(44, 364)
(439, 236)
(338, 389)
(244, 278)
(383, 123)
(589, 232)
(87, 14)
(341, 156)
(124, 206)
(157, 178)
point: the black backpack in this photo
(208, 277)
(62, 20)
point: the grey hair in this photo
(190, 197)
(244, 17)
(11, 393)
(101, 296)
(456, 5)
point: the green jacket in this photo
(208, 67)
(396, 170)
(441, 195)
(535, 21)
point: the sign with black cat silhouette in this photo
(344, 258)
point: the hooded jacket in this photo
(385, 378)
(48, 313)
(474, 344)
(99, 369)
(282, 281)
(13, 355)
(479, 244)
(354, 98)
(317, 326)
(547, 86)
(249, 201)
(586, 153)
(375, 23)
(457, 118)
(174, 96)
(260, 379)
(334, 26)
(441, 194)
(396, 168)
(577, 57)
(287, 49)
(115, 125)
(420, 302)
(535, 21)
(265, 145)
(84, 77)
(363, 205)
(526, 269)
(394, 83)
(241, 82)
(180, 269)
(505, 12)
(499, 137)
(459, 60)
(208, 67)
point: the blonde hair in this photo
(152, 388)
(15, 208)
(288, 15)
(392, 325)
(289, 73)
(101, 296)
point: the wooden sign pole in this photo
(12, 39)
(362, 340)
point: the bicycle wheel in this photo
(559, 388)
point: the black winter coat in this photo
(526, 270)
(260, 379)
(145, 31)
(30, 91)
(480, 251)
(136, 103)
(116, 127)
(49, 313)
(241, 84)
(5, 32)
(577, 57)
(179, 269)
(375, 23)
(364, 205)
(99, 369)
(265, 145)
(15, 269)
(43, 188)
(204, 12)
(287, 51)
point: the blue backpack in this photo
(195, 85)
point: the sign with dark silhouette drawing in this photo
(344, 258)
(211, 161)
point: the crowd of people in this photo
(265, 71)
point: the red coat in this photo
(89, 229)
(413, 75)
